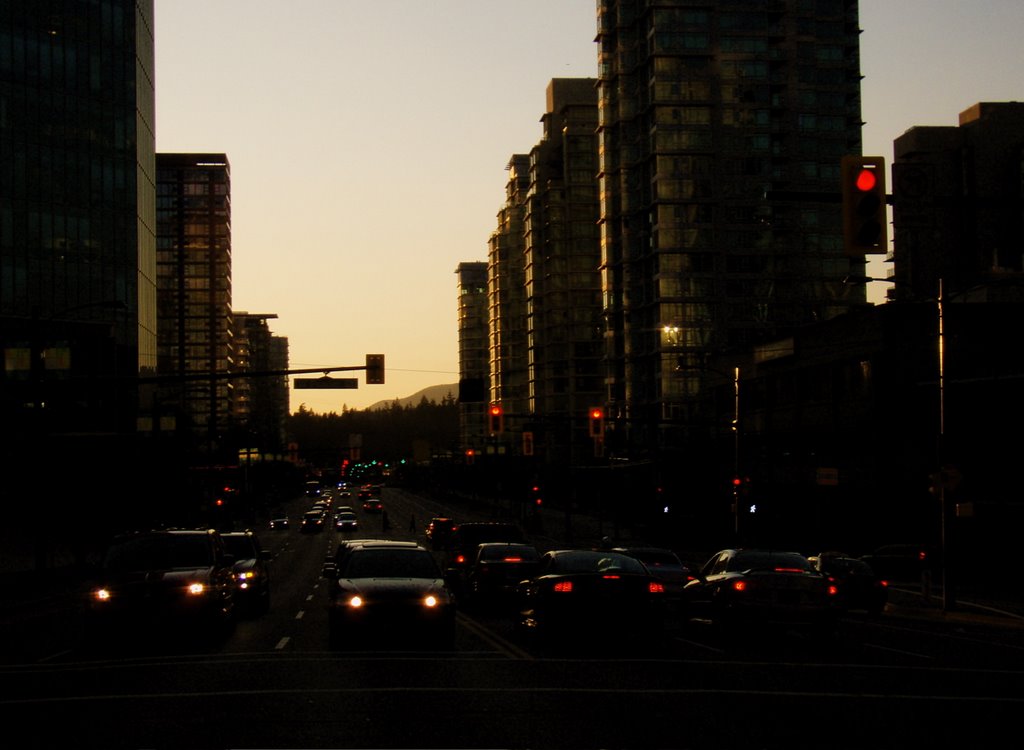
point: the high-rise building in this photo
(564, 324)
(77, 228)
(507, 297)
(708, 113)
(957, 204)
(194, 291)
(474, 369)
(261, 393)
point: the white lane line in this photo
(282, 643)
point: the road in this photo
(887, 681)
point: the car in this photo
(497, 569)
(279, 523)
(753, 587)
(345, 494)
(312, 522)
(384, 591)
(905, 563)
(665, 565)
(466, 537)
(250, 569)
(580, 596)
(345, 509)
(438, 530)
(346, 521)
(373, 505)
(857, 586)
(164, 580)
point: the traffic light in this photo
(496, 419)
(374, 369)
(865, 219)
(597, 422)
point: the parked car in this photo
(761, 587)
(161, 580)
(857, 586)
(496, 571)
(580, 595)
(250, 569)
(388, 591)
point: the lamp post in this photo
(948, 589)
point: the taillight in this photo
(655, 587)
(563, 587)
(513, 559)
(739, 585)
(832, 589)
(611, 577)
(460, 559)
(883, 583)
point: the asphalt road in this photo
(893, 681)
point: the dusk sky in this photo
(368, 143)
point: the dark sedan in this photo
(388, 591)
(857, 586)
(497, 569)
(585, 595)
(760, 587)
(312, 522)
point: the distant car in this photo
(281, 523)
(250, 569)
(497, 569)
(466, 537)
(373, 505)
(758, 587)
(312, 522)
(581, 595)
(345, 509)
(857, 586)
(159, 580)
(438, 530)
(345, 494)
(346, 521)
(388, 591)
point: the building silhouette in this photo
(260, 404)
(474, 359)
(706, 112)
(195, 327)
(77, 243)
(957, 204)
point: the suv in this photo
(252, 576)
(156, 578)
(464, 540)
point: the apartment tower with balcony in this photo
(713, 116)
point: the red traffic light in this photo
(866, 180)
(496, 419)
(596, 422)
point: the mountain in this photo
(432, 393)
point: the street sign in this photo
(326, 382)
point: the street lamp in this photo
(948, 590)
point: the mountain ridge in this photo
(435, 393)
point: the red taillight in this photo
(656, 588)
(513, 559)
(739, 585)
(833, 589)
(790, 570)
(883, 583)
(563, 587)
(611, 577)
(460, 559)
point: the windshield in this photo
(391, 563)
(159, 552)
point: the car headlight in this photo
(430, 601)
(196, 589)
(102, 595)
(355, 602)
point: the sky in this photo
(368, 143)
